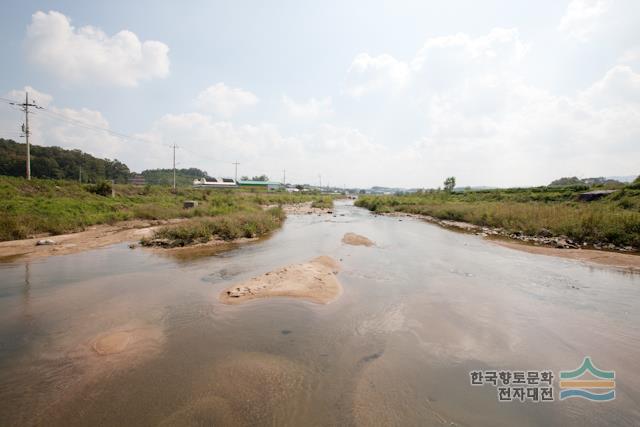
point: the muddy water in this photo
(129, 337)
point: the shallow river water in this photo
(418, 312)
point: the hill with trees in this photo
(573, 181)
(59, 163)
(184, 177)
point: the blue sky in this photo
(365, 93)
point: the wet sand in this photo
(356, 240)
(605, 258)
(101, 235)
(93, 237)
(313, 281)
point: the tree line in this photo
(59, 163)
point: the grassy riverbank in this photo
(614, 219)
(229, 227)
(43, 206)
(322, 202)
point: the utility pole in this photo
(284, 177)
(236, 175)
(320, 178)
(174, 166)
(25, 128)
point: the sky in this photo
(359, 93)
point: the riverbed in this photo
(419, 310)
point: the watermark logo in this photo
(534, 386)
(599, 389)
(586, 382)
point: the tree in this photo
(244, 178)
(58, 163)
(260, 178)
(450, 184)
(566, 181)
(184, 177)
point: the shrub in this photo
(102, 188)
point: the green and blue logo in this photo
(599, 388)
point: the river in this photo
(419, 311)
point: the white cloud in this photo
(486, 125)
(87, 55)
(341, 155)
(582, 18)
(224, 100)
(630, 56)
(619, 88)
(311, 109)
(369, 74)
(65, 127)
(35, 96)
(444, 60)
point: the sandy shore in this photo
(93, 237)
(610, 259)
(97, 236)
(314, 281)
(356, 240)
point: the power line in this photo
(51, 114)
(58, 116)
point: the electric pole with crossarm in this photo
(174, 166)
(25, 127)
(236, 176)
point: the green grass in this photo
(613, 219)
(322, 202)
(56, 206)
(227, 227)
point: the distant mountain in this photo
(601, 180)
(625, 179)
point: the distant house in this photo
(260, 185)
(210, 182)
(590, 196)
(137, 180)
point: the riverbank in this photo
(177, 236)
(553, 216)
(93, 237)
(43, 207)
(165, 235)
(552, 246)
